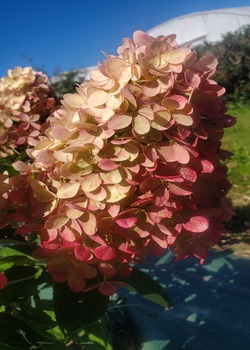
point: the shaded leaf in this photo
(147, 287)
(76, 310)
(16, 334)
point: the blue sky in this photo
(67, 34)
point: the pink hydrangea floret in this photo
(26, 100)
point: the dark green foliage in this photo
(233, 72)
(76, 310)
(65, 83)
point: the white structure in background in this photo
(194, 28)
(198, 27)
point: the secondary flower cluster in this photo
(26, 100)
(130, 165)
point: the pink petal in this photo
(3, 281)
(105, 253)
(180, 190)
(88, 224)
(82, 253)
(180, 153)
(175, 102)
(127, 222)
(76, 281)
(59, 268)
(161, 196)
(192, 79)
(150, 184)
(196, 224)
(67, 234)
(188, 174)
(107, 288)
(119, 121)
(107, 164)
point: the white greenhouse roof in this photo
(207, 26)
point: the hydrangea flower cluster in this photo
(26, 100)
(130, 165)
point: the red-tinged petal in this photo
(175, 102)
(141, 38)
(129, 96)
(113, 210)
(206, 63)
(227, 121)
(107, 270)
(107, 164)
(192, 78)
(132, 151)
(164, 149)
(3, 281)
(119, 121)
(150, 153)
(48, 235)
(159, 238)
(105, 253)
(98, 195)
(162, 120)
(67, 234)
(146, 112)
(87, 270)
(180, 153)
(150, 184)
(127, 222)
(21, 166)
(107, 288)
(76, 281)
(82, 253)
(196, 224)
(179, 189)
(188, 174)
(156, 214)
(207, 166)
(161, 196)
(89, 224)
(60, 269)
(151, 88)
(125, 270)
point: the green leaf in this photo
(16, 250)
(16, 260)
(10, 242)
(7, 347)
(16, 334)
(43, 321)
(147, 287)
(100, 336)
(76, 310)
(22, 283)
